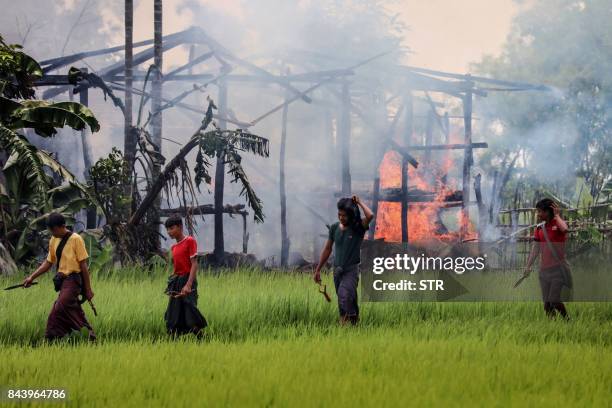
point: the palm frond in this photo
(249, 142)
(55, 166)
(236, 170)
(16, 144)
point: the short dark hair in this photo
(55, 220)
(351, 209)
(174, 220)
(546, 204)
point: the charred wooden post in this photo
(245, 234)
(405, 162)
(428, 136)
(92, 219)
(459, 146)
(415, 195)
(344, 136)
(375, 201)
(467, 161)
(204, 209)
(388, 136)
(219, 250)
(285, 243)
(482, 210)
(479, 202)
(332, 153)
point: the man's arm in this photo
(192, 275)
(44, 267)
(325, 253)
(86, 279)
(368, 215)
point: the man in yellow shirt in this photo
(67, 252)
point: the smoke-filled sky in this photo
(438, 34)
(443, 34)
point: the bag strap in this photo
(550, 245)
(60, 248)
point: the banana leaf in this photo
(55, 166)
(44, 117)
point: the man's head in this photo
(348, 212)
(545, 209)
(56, 224)
(174, 226)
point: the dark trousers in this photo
(67, 314)
(346, 280)
(182, 315)
(552, 281)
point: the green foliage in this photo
(272, 336)
(109, 181)
(237, 171)
(23, 212)
(100, 255)
(567, 132)
(18, 71)
(227, 145)
(28, 193)
(589, 235)
(22, 151)
(44, 117)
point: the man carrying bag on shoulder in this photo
(67, 251)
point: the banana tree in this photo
(136, 239)
(32, 182)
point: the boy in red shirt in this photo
(553, 272)
(182, 315)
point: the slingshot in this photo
(173, 294)
(323, 291)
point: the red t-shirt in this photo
(557, 239)
(182, 252)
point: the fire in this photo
(424, 219)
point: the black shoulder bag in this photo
(58, 278)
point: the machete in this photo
(521, 279)
(20, 286)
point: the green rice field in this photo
(274, 341)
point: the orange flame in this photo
(424, 219)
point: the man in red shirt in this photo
(553, 275)
(182, 315)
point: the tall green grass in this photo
(274, 341)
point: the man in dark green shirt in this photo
(346, 237)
